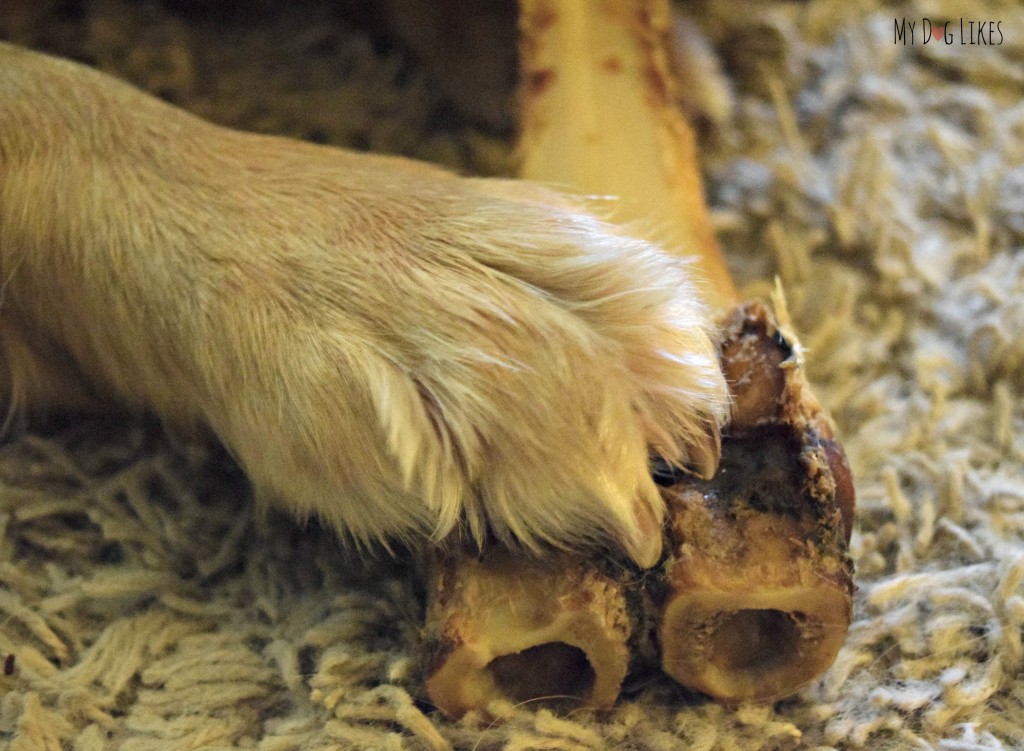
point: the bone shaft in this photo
(598, 117)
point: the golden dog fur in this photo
(396, 349)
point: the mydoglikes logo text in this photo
(966, 31)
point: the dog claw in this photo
(705, 452)
(644, 544)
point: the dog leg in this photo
(398, 350)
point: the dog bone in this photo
(755, 598)
(501, 625)
(757, 592)
(759, 606)
(598, 117)
(753, 602)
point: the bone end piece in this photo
(758, 588)
(507, 627)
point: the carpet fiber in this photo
(147, 607)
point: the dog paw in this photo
(397, 350)
(430, 354)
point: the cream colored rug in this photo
(147, 608)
